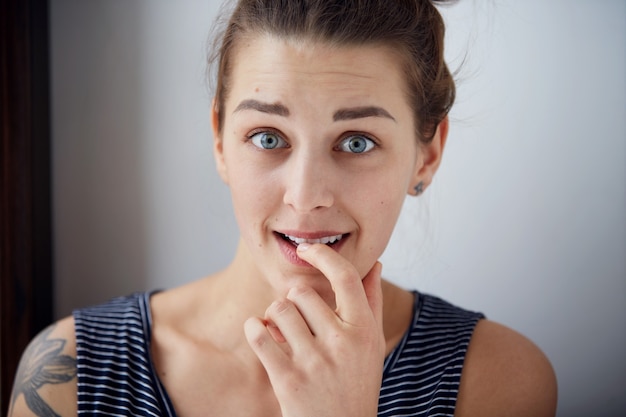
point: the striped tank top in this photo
(116, 377)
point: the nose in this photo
(308, 183)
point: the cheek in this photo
(253, 196)
(384, 192)
(384, 217)
(380, 208)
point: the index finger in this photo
(350, 296)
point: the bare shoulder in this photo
(505, 374)
(45, 383)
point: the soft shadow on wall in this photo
(99, 193)
(138, 203)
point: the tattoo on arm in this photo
(42, 364)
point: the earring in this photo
(419, 188)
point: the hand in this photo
(322, 362)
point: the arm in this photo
(45, 384)
(505, 374)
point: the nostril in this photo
(309, 186)
(308, 199)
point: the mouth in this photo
(329, 240)
(288, 242)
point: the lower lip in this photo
(289, 250)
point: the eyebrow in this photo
(341, 114)
(361, 112)
(275, 108)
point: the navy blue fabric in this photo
(116, 375)
(421, 376)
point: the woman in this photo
(326, 114)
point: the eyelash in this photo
(374, 143)
(250, 136)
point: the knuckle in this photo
(279, 307)
(300, 291)
(257, 338)
(348, 275)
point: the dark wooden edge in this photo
(26, 273)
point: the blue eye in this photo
(356, 144)
(268, 140)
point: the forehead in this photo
(271, 65)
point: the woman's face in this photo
(318, 142)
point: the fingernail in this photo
(303, 246)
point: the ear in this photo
(429, 158)
(218, 144)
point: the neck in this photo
(243, 284)
(228, 298)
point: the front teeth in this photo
(324, 240)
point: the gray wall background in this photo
(525, 221)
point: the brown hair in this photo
(412, 28)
